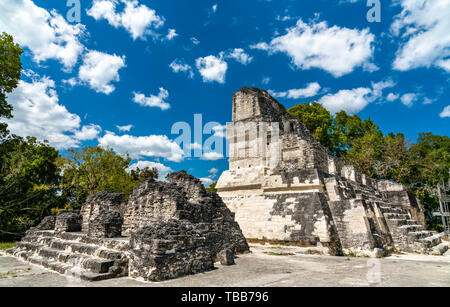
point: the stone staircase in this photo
(75, 254)
(408, 235)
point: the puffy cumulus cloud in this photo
(153, 100)
(99, 70)
(212, 68)
(125, 128)
(212, 156)
(408, 99)
(171, 34)
(138, 19)
(178, 65)
(316, 45)
(163, 170)
(47, 35)
(143, 146)
(312, 89)
(354, 100)
(239, 55)
(424, 27)
(37, 112)
(88, 132)
(206, 181)
(445, 112)
(392, 97)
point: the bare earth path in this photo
(267, 267)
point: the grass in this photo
(6, 245)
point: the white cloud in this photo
(153, 101)
(212, 68)
(212, 156)
(213, 171)
(143, 146)
(163, 170)
(354, 100)
(37, 112)
(125, 128)
(206, 181)
(392, 97)
(47, 35)
(72, 81)
(99, 70)
(171, 34)
(137, 19)
(427, 100)
(334, 49)
(89, 132)
(424, 26)
(214, 8)
(408, 99)
(195, 41)
(351, 101)
(180, 66)
(265, 80)
(312, 89)
(239, 55)
(445, 112)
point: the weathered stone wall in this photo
(182, 198)
(102, 214)
(172, 249)
(68, 221)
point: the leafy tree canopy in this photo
(10, 71)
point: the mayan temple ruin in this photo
(282, 188)
(165, 230)
(286, 188)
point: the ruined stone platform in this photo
(165, 230)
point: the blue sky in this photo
(144, 65)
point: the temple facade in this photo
(286, 188)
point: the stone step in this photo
(408, 228)
(119, 244)
(401, 222)
(397, 216)
(431, 241)
(68, 269)
(94, 264)
(392, 209)
(439, 249)
(87, 249)
(416, 235)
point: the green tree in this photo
(29, 184)
(139, 175)
(94, 169)
(10, 71)
(394, 161)
(366, 152)
(318, 120)
(212, 187)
